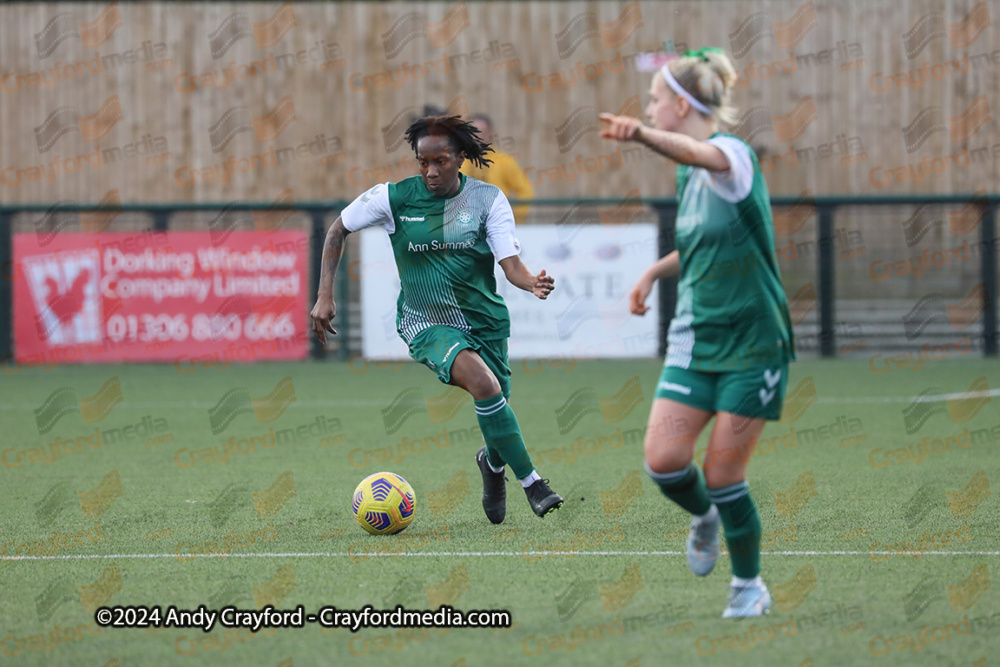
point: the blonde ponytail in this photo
(709, 76)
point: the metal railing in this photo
(665, 210)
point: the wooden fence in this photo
(162, 102)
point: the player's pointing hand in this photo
(543, 285)
(621, 128)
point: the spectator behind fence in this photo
(505, 172)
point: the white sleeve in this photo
(371, 209)
(500, 229)
(735, 184)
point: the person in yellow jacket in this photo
(505, 172)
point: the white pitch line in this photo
(209, 404)
(489, 554)
(835, 400)
(906, 399)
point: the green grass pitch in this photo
(268, 480)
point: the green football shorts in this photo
(436, 347)
(757, 392)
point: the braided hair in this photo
(462, 135)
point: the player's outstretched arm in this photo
(325, 309)
(674, 145)
(519, 276)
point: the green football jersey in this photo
(732, 313)
(445, 249)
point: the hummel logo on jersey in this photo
(685, 222)
(450, 350)
(771, 380)
(406, 218)
(679, 388)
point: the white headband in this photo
(672, 82)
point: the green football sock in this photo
(685, 487)
(504, 443)
(742, 527)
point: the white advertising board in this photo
(586, 317)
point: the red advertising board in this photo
(169, 296)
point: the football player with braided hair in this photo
(447, 230)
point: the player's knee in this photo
(668, 454)
(663, 460)
(483, 385)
